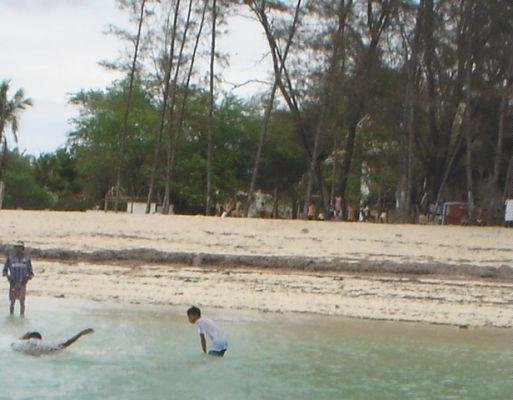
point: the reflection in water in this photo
(150, 353)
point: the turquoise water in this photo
(141, 352)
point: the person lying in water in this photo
(32, 343)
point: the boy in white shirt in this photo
(207, 327)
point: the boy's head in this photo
(193, 313)
(31, 335)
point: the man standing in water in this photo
(18, 270)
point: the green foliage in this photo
(22, 188)
(94, 141)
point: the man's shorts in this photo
(219, 347)
(17, 292)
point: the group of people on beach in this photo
(18, 271)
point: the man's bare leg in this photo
(22, 308)
(11, 307)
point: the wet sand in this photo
(395, 298)
(434, 274)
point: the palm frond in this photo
(10, 108)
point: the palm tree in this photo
(9, 113)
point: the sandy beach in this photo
(436, 274)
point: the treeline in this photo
(78, 176)
(393, 105)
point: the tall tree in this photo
(124, 133)
(259, 8)
(186, 92)
(411, 62)
(362, 84)
(327, 83)
(164, 111)
(170, 122)
(208, 205)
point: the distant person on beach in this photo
(312, 211)
(350, 213)
(32, 343)
(18, 270)
(238, 209)
(337, 206)
(508, 213)
(207, 327)
(228, 209)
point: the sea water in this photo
(141, 352)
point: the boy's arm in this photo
(30, 270)
(72, 340)
(203, 342)
(6, 266)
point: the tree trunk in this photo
(211, 111)
(333, 188)
(363, 84)
(500, 135)
(166, 201)
(468, 170)
(3, 167)
(124, 133)
(328, 83)
(179, 130)
(448, 169)
(275, 203)
(167, 85)
(508, 184)
(285, 86)
(346, 164)
(270, 104)
(2, 186)
(411, 96)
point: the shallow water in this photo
(142, 352)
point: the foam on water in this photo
(152, 353)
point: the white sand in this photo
(91, 231)
(436, 299)
(456, 302)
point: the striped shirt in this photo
(18, 269)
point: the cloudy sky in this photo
(51, 48)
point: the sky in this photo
(51, 48)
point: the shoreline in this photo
(448, 275)
(408, 298)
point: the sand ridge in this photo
(436, 274)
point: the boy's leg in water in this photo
(11, 307)
(22, 307)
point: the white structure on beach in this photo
(135, 207)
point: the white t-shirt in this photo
(209, 328)
(35, 347)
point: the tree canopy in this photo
(409, 99)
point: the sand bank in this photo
(396, 298)
(436, 274)
(98, 236)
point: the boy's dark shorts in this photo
(217, 353)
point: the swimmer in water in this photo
(32, 343)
